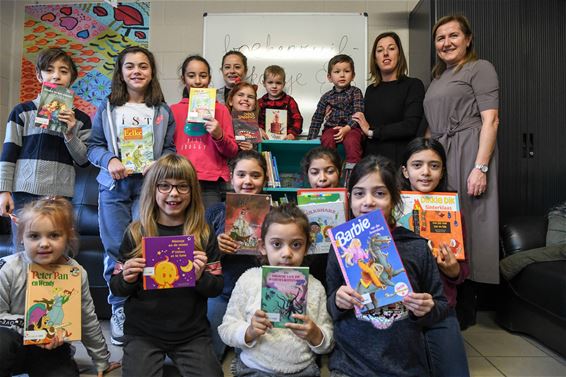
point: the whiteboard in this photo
(302, 43)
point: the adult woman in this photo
(393, 102)
(234, 69)
(461, 107)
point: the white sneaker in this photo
(117, 326)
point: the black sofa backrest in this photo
(85, 201)
(523, 233)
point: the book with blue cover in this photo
(370, 262)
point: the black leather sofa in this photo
(533, 301)
(91, 251)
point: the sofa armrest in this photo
(523, 233)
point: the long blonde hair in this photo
(471, 55)
(170, 166)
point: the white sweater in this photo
(279, 350)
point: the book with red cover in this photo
(245, 126)
(244, 216)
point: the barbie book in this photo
(284, 293)
(202, 102)
(136, 147)
(276, 123)
(322, 217)
(244, 216)
(53, 303)
(169, 262)
(52, 100)
(370, 262)
(436, 217)
(245, 126)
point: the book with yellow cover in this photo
(53, 303)
(202, 102)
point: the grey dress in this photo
(452, 106)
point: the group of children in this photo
(167, 199)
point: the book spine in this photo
(276, 170)
(267, 157)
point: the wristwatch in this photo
(482, 167)
(370, 134)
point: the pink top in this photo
(208, 156)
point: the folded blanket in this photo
(513, 264)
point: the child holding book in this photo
(37, 161)
(243, 97)
(336, 108)
(248, 175)
(46, 227)
(169, 322)
(276, 98)
(234, 70)
(423, 169)
(135, 103)
(391, 342)
(208, 153)
(265, 350)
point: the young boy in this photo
(35, 161)
(276, 98)
(336, 108)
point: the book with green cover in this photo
(284, 293)
(136, 147)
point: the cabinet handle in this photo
(524, 146)
(531, 146)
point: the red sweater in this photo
(209, 156)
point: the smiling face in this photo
(387, 56)
(284, 244)
(322, 173)
(369, 194)
(424, 170)
(244, 99)
(196, 75)
(136, 72)
(341, 75)
(172, 205)
(58, 72)
(248, 177)
(274, 85)
(233, 70)
(44, 242)
(451, 43)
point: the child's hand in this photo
(68, 117)
(258, 326)
(347, 298)
(308, 330)
(264, 135)
(116, 169)
(213, 128)
(226, 244)
(447, 262)
(6, 204)
(132, 268)
(341, 133)
(111, 367)
(419, 303)
(361, 119)
(245, 145)
(146, 168)
(290, 137)
(55, 342)
(200, 262)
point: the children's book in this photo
(284, 293)
(202, 103)
(370, 262)
(291, 179)
(244, 216)
(436, 217)
(245, 126)
(169, 262)
(53, 303)
(276, 123)
(322, 217)
(52, 100)
(136, 147)
(324, 195)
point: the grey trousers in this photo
(239, 369)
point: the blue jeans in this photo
(445, 348)
(116, 210)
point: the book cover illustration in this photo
(284, 293)
(136, 147)
(52, 100)
(202, 102)
(245, 126)
(324, 195)
(436, 217)
(169, 262)
(322, 217)
(244, 215)
(370, 262)
(53, 303)
(276, 123)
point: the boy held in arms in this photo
(336, 108)
(276, 98)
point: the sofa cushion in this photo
(556, 233)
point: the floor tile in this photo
(470, 351)
(501, 343)
(481, 367)
(485, 322)
(528, 366)
(545, 349)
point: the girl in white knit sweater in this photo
(265, 350)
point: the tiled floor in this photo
(491, 350)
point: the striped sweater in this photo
(40, 161)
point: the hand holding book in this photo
(213, 127)
(447, 262)
(418, 303)
(132, 269)
(199, 263)
(226, 244)
(307, 330)
(347, 298)
(258, 326)
(67, 116)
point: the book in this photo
(245, 126)
(276, 123)
(322, 217)
(370, 262)
(244, 215)
(284, 293)
(277, 178)
(202, 102)
(136, 147)
(53, 303)
(270, 173)
(436, 217)
(169, 262)
(52, 100)
(324, 195)
(291, 179)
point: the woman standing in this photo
(234, 69)
(393, 102)
(461, 107)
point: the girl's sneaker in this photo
(117, 326)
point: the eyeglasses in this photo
(166, 188)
